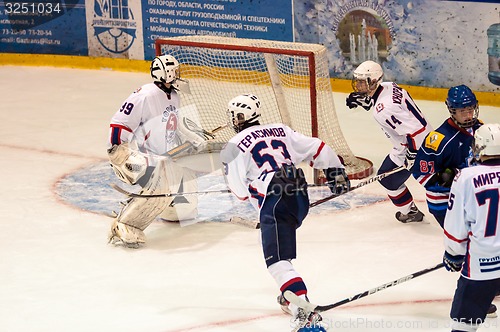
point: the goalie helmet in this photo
(462, 105)
(244, 111)
(367, 77)
(165, 69)
(487, 141)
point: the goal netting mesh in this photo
(291, 80)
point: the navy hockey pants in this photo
(393, 181)
(280, 216)
(472, 299)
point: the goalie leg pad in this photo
(181, 179)
(139, 212)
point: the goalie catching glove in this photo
(189, 131)
(356, 99)
(127, 162)
(337, 180)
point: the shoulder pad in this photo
(433, 140)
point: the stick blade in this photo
(299, 302)
(244, 222)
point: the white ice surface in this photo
(57, 273)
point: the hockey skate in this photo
(284, 304)
(125, 235)
(415, 215)
(492, 311)
(306, 321)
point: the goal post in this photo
(291, 80)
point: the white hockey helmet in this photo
(244, 111)
(487, 141)
(165, 69)
(367, 77)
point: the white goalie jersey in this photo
(472, 223)
(252, 156)
(151, 117)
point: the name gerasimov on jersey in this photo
(149, 116)
(252, 156)
(400, 119)
(471, 225)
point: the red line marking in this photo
(54, 184)
(53, 152)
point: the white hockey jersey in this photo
(400, 119)
(472, 226)
(252, 156)
(149, 116)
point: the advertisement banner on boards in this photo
(114, 29)
(260, 19)
(421, 42)
(43, 27)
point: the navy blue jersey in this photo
(448, 147)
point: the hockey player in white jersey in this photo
(472, 232)
(147, 126)
(403, 124)
(260, 166)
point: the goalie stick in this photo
(235, 220)
(302, 303)
(131, 194)
(359, 185)
(244, 222)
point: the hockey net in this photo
(291, 80)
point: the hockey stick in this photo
(302, 303)
(131, 194)
(235, 220)
(359, 185)
(192, 126)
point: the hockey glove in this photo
(453, 263)
(337, 180)
(410, 159)
(356, 99)
(289, 180)
(446, 177)
(441, 181)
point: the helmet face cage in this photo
(365, 85)
(458, 113)
(487, 141)
(243, 111)
(460, 102)
(367, 77)
(165, 69)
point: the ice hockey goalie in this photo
(147, 126)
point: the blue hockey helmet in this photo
(461, 98)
